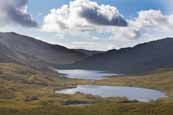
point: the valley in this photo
(32, 72)
(86, 57)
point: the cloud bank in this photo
(82, 14)
(15, 12)
(149, 25)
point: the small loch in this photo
(85, 74)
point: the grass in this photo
(18, 82)
(161, 80)
(101, 108)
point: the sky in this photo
(89, 24)
(128, 8)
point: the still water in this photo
(85, 74)
(132, 93)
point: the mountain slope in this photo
(88, 52)
(27, 50)
(6, 55)
(141, 58)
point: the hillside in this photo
(88, 52)
(141, 58)
(29, 51)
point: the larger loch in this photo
(132, 93)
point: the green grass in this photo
(102, 108)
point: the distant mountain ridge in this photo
(26, 50)
(88, 52)
(141, 58)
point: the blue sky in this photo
(40, 10)
(129, 8)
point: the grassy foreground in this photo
(24, 91)
(104, 108)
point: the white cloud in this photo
(101, 46)
(147, 26)
(82, 15)
(15, 12)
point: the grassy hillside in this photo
(23, 87)
(17, 81)
(22, 74)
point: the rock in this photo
(76, 102)
(31, 98)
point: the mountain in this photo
(141, 58)
(26, 50)
(20, 49)
(6, 55)
(88, 52)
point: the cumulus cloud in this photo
(152, 22)
(82, 15)
(149, 25)
(15, 12)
